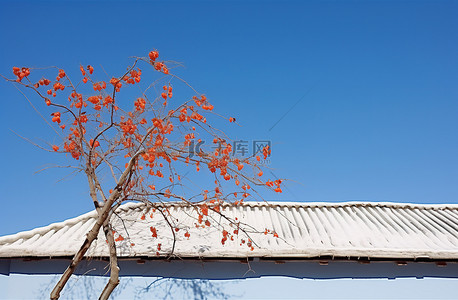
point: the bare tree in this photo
(148, 146)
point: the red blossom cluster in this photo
(21, 73)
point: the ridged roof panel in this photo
(352, 229)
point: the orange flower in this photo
(153, 55)
(92, 144)
(266, 151)
(204, 209)
(153, 230)
(158, 66)
(56, 117)
(83, 118)
(16, 71)
(94, 99)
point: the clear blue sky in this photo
(365, 93)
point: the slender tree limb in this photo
(114, 269)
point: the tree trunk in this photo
(92, 235)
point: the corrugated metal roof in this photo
(305, 230)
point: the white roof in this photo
(305, 230)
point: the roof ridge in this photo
(132, 205)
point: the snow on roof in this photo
(305, 230)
